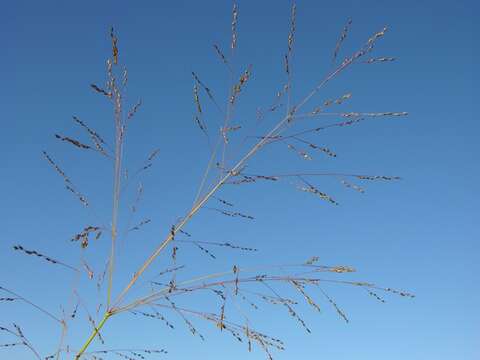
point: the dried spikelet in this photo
(96, 138)
(244, 179)
(72, 141)
(309, 300)
(311, 189)
(185, 233)
(80, 197)
(74, 312)
(157, 315)
(124, 76)
(343, 36)
(376, 114)
(169, 270)
(174, 253)
(42, 256)
(380, 59)
(352, 186)
(101, 91)
(114, 46)
(232, 128)
(342, 269)
(206, 251)
(140, 224)
(7, 299)
(249, 302)
(287, 65)
(153, 154)
(196, 98)
(378, 177)
(236, 271)
(339, 311)
(94, 134)
(200, 124)
(316, 147)
(291, 35)
(236, 247)
(322, 195)
(237, 88)
(312, 260)
(84, 235)
(304, 155)
(223, 201)
(398, 292)
(343, 98)
(192, 329)
(220, 54)
(204, 87)
(56, 167)
(371, 41)
(375, 295)
(233, 44)
(134, 110)
(297, 317)
(265, 177)
(232, 214)
(221, 324)
(88, 270)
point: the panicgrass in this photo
(278, 286)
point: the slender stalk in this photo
(116, 187)
(92, 335)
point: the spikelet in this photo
(196, 98)
(352, 186)
(220, 54)
(153, 154)
(72, 141)
(312, 260)
(169, 270)
(317, 192)
(101, 91)
(304, 155)
(340, 41)
(334, 304)
(309, 300)
(94, 136)
(134, 109)
(84, 235)
(291, 35)
(42, 256)
(344, 97)
(377, 177)
(114, 46)
(233, 44)
(237, 88)
(293, 314)
(379, 59)
(192, 329)
(156, 315)
(223, 201)
(232, 213)
(206, 251)
(140, 224)
(204, 87)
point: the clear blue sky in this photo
(420, 234)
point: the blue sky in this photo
(419, 234)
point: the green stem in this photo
(96, 330)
